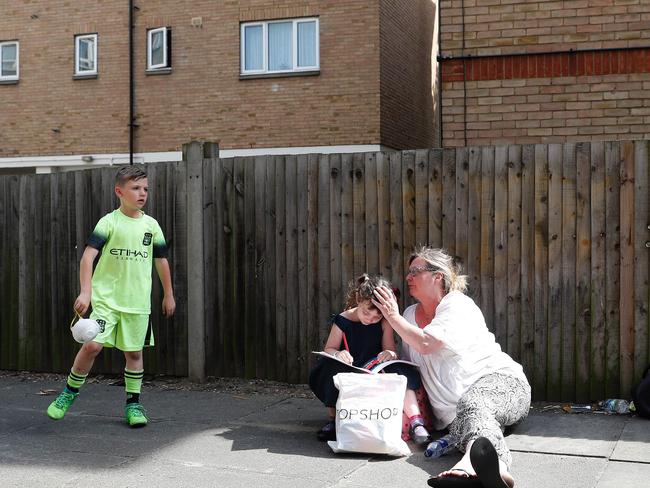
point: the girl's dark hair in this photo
(362, 288)
(129, 173)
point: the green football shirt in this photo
(122, 278)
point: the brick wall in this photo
(203, 97)
(408, 64)
(510, 26)
(47, 112)
(552, 71)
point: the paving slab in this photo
(285, 453)
(532, 470)
(625, 475)
(634, 444)
(169, 474)
(387, 471)
(571, 434)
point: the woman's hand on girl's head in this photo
(386, 355)
(385, 301)
(344, 356)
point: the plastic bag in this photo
(369, 414)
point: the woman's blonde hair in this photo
(441, 262)
(362, 289)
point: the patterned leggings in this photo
(492, 403)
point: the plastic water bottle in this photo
(441, 446)
(614, 405)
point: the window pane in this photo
(306, 44)
(280, 52)
(9, 65)
(86, 54)
(253, 48)
(157, 54)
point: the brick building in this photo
(544, 71)
(256, 76)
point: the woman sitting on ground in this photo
(474, 388)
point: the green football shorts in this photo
(125, 331)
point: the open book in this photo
(371, 367)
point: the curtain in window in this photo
(306, 44)
(280, 46)
(253, 48)
(9, 66)
(157, 55)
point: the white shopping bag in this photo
(369, 414)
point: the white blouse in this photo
(469, 352)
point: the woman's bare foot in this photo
(462, 469)
(505, 474)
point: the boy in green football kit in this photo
(120, 291)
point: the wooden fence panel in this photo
(513, 345)
(435, 198)
(487, 236)
(270, 296)
(282, 295)
(473, 265)
(540, 382)
(549, 235)
(421, 197)
(325, 251)
(641, 261)
(462, 204)
(627, 265)
(598, 267)
(407, 205)
(371, 214)
(583, 270)
(554, 380)
(528, 261)
(500, 244)
(569, 271)
(348, 272)
(613, 257)
(383, 214)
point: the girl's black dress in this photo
(364, 342)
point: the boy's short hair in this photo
(129, 173)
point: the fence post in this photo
(193, 154)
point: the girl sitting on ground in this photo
(358, 335)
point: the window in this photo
(9, 61)
(85, 58)
(283, 46)
(159, 52)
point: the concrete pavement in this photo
(215, 439)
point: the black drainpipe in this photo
(131, 84)
(439, 74)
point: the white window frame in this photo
(165, 64)
(17, 75)
(265, 48)
(77, 64)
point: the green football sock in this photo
(133, 382)
(75, 381)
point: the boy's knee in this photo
(92, 348)
(133, 355)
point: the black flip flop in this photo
(454, 481)
(485, 462)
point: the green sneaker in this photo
(60, 406)
(135, 415)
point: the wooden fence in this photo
(554, 239)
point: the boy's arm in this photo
(85, 279)
(162, 268)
